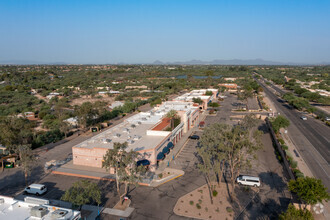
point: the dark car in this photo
(194, 137)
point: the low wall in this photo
(280, 150)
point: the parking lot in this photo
(158, 203)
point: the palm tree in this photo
(171, 115)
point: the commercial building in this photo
(148, 133)
(33, 208)
(201, 93)
(231, 86)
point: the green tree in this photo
(171, 115)
(280, 122)
(214, 104)
(209, 93)
(64, 128)
(85, 114)
(246, 94)
(240, 144)
(124, 166)
(309, 190)
(197, 100)
(296, 214)
(26, 160)
(83, 192)
(212, 157)
(15, 132)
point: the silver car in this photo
(303, 117)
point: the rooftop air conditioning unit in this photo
(59, 214)
(106, 140)
(38, 211)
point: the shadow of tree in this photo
(273, 180)
(14, 182)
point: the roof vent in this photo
(137, 137)
(106, 140)
(38, 211)
(59, 214)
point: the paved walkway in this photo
(302, 166)
(118, 212)
(70, 169)
(179, 146)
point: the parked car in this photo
(248, 180)
(37, 189)
(303, 117)
(327, 118)
(194, 137)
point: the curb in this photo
(169, 180)
(90, 177)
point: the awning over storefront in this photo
(160, 156)
(170, 145)
(166, 150)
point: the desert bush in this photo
(284, 147)
(215, 193)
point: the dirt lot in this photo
(86, 98)
(197, 204)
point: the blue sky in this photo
(179, 30)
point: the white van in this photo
(37, 189)
(248, 180)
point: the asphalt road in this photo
(316, 150)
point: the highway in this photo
(311, 137)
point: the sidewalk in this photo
(179, 146)
(176, 174)
(69, 169)
(302, 166)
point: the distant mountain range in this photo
(191, 62)
(237, 62)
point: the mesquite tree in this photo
(124, 166)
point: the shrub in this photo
(281, 141)
(217, 210)
(284, 147)
(215, 193)
(191, 202)
(298, 173)
(206, 209)
(229, 209)
(160, 175)
(198, 206)
(293, 164)
(200, 201)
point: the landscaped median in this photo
(167, 175)
(197, 204)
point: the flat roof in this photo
(188, 97)
(134, 129)
(13, 209)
